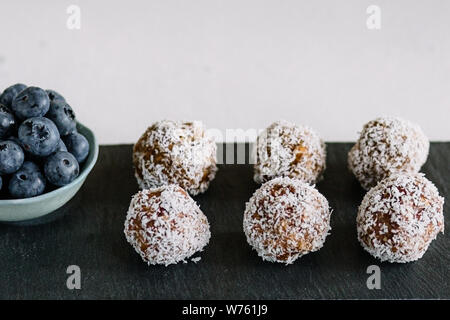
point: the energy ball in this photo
(287, 150)
(286, 219)
(173, 152)
(165, 225)
(399, 217)
(387, 145)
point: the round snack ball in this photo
(286, 219)
(165, 225)
(287, 150)
(174, 152)
(399, 217)
(387, 145)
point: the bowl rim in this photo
(89, 165)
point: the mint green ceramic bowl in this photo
(16, 210)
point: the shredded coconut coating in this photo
(174, 152)
(287, 150)
(165, 225)
(398, 219)
(387, 145)
(286, 219)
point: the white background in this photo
(234, 64)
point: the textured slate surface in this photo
(88, 232)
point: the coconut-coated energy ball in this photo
(165, 225)
(287, 150)
(399, 217)
(174, 152)
(387, 145)
(286, 219)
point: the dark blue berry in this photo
(77, 145)
(10, 93)
(54, 96)
(11, 157)
(61, 146)
(7, 122)
(27, 182)
(41, 160)
(31, 102)
(63, 116)
(16, 140)
(39, 136)
(61, 168)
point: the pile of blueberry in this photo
(40, 148)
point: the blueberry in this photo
(61, 146)
(41, 160)
(10, 93)
(11, 157)
(39, 136)
(31, 102)
(61, 168)
(54, 96)
(27, 182)
(63, 116)
(7, 122)
(77, 145)
(16, 140)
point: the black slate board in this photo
(88, 232)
